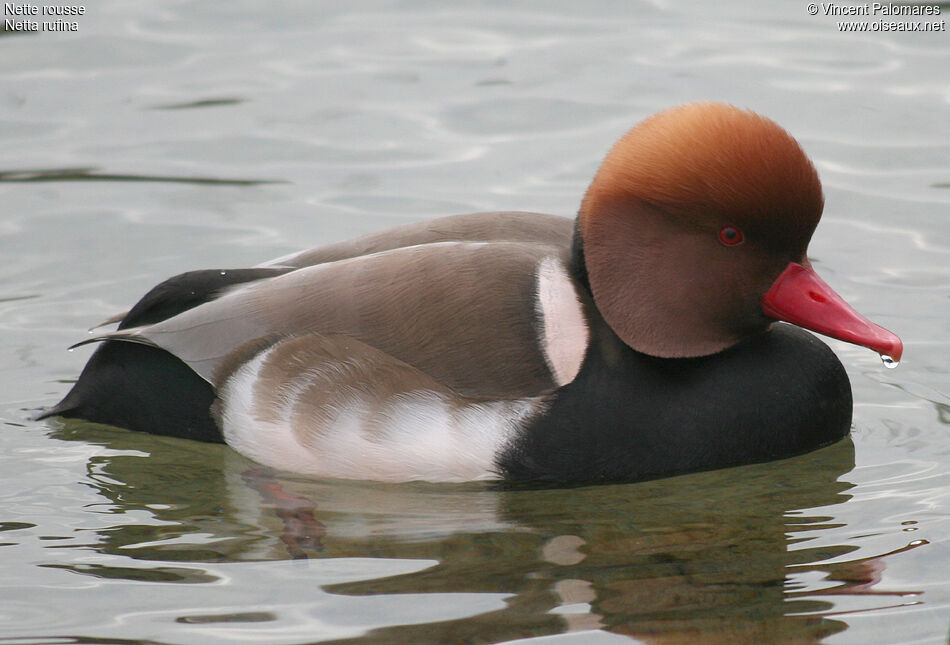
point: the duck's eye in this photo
(730, 236)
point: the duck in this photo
(664, 330)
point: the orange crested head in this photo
(710, 163)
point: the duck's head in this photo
(695, 231)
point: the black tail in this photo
(144, 388)
(141, 388)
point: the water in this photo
(166, 136)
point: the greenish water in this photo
(167, 136)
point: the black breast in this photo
(629, 416)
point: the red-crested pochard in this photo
(635, 342)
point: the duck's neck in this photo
(578, 265)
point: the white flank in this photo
(565, 335)
(418, 435)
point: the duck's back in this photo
(501, 226)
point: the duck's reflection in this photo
(710, 557)
(302, 532)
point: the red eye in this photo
(730, 236)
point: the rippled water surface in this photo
(164, 136)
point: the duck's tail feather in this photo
(140, 387)
(188, 290)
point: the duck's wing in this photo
(488, 320)
(507, 226)
(332, 406)
(193, 288)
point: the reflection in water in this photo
(301, 530)
(203, 103)
(94, 174)
(717, 557)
